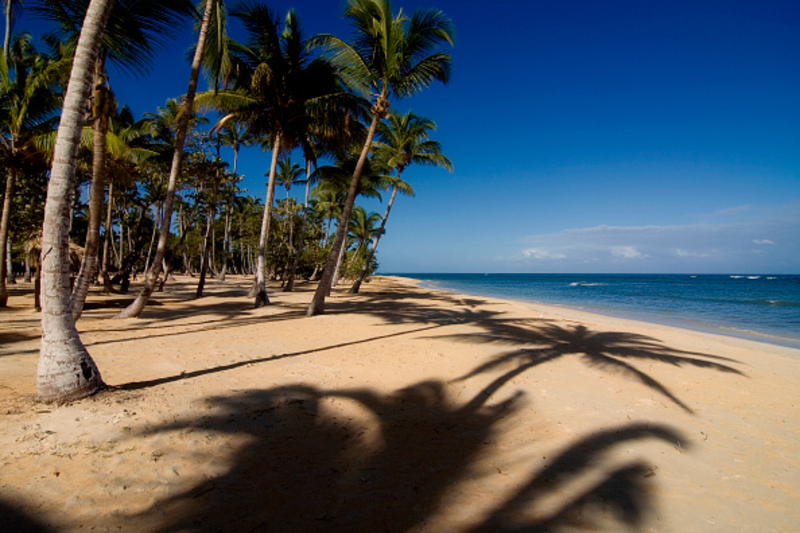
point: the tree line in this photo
(161, 198)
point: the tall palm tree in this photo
(392, 56)
(66, 371)
(29, 100)
(151, 277)
(274, 93)
(404, 141)
(138, 28)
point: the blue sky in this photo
(588, 136)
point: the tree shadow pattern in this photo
(308, 466)
(538, 342)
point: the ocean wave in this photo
(774, 303)
(586, 284)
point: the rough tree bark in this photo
(66, 371)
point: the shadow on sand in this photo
(359, 460)
(534, 343)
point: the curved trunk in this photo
(151, 277)
(88, 271)
(363, 274)
(4, 224)
(317, 305)
(66, 371)
(261, 267)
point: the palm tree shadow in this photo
(538, 343)
(625, 493)
(359, 460)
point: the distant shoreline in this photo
(643, 315)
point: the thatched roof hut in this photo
(33, 247)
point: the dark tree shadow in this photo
(538, 342)
(312, 465)
(624, 494)
(12, 519)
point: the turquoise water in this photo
(763, 307)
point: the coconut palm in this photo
(29, 100)
(404, 142)
(66, 371)
(391, 56)
(337, 177)
(138, 29)
(362, 227)
(151, 277)
(274, 93)
(237, 136)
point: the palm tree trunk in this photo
(357, 285)
(4, 224)
(339, 261)
(66, 371)
(317, 305)
(209, 238)
(302, 236)
(152, 239)
(108, 240)
(7, 38)
(136, 308)
(261, 267)
(88, 270)
(27, 277)
(10, 278)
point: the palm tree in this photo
(66, 370)
(236, 136)
(28, 103)
(390, 57)
(151, 277)
(274, 94)
(362, 227)
(405, 141)
(139, 27)
(336, 178)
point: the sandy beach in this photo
(400, 409)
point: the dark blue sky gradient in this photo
(589, 136)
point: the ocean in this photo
(758, 307)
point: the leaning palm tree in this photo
(392, 56)
(151, 277)
(66, 370)
(405, 141)
(137, 28)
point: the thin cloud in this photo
(733, 210)
(677, 248)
